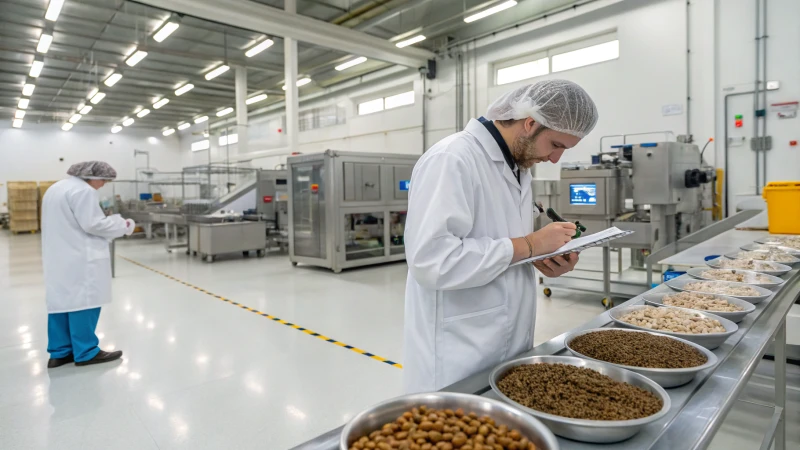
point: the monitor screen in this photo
(583, 194)
(404, 185)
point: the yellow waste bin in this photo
(783, 206)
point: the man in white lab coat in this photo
(470, 217)
(77, 265)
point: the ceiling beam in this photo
(269, 20)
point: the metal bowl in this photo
(735, 255)
(709, 341)
(376, 416)
(679, 285)
(782, 268)
(761, 247)
(749, 277)
(596, 431)
(666, 378)
(657, 299)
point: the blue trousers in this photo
(72, 333)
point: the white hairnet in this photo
(92, 170)
(560, 105)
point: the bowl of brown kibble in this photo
(667, 360)
(581, 399)
(445, 421)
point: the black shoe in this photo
(58, 362)
(102, 357)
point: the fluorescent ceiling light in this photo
(116, 129)
(258, 48)
(36, 68)
(127, 122)
(184, 89)
(410, 41)
(168, 131)
(201, 119)
(488, 12)
(184, 126)
(23, 103)
(255, 99)
(224, 112)
(85, 110)
(300, 82)
(112, 79)
(17, 123)
(200, 145)
(94, 91)
(351, 63)
(75, 118)
(67, 126)
(166, 29)
(142, 113)
(229, 139)
(27, 90)
(134, 59)
(53, 10)
(97, 98)
(217, 72)
(44, 43)
(160, 103)
(19, 114)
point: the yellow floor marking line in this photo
(269, 316)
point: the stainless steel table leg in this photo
(619, 261)
(113, 258)
(607, 271)
(780, 384)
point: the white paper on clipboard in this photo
(581, 243)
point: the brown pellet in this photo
(638, 350)
(423, 428)
(576, 392)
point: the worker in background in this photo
(77, 263)
(470, 217)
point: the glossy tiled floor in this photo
(200, 373)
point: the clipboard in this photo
(581, 243)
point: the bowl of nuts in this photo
(773, 255)
(581, 399)
(445, 421)
(769, 268)
(702, 328)
(744, 291)
(667, 360)
(766, 247)
(736, 276)
(731, 308)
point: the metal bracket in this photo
(758, 144)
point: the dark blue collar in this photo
(490, 126)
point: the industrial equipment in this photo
(348, 209)
(212, 239)
(655, 189)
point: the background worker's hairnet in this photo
(560, 105)
(92, 170)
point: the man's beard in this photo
(524, 152)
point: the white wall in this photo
(34, 152)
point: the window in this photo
(390, 102)
(229, 139)
(586, 56)
(523, 71)
(587, 51)
(200, 145)
(395, 101)
(321, 117)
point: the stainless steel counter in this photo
(698, 408)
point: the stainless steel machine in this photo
(655, 189)
(212, 239)
(348, 209)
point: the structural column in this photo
(241, 109)
(290, 74)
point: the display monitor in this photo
(404, 185)
(583, 194)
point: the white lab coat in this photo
(75, 246)
(465, 309)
